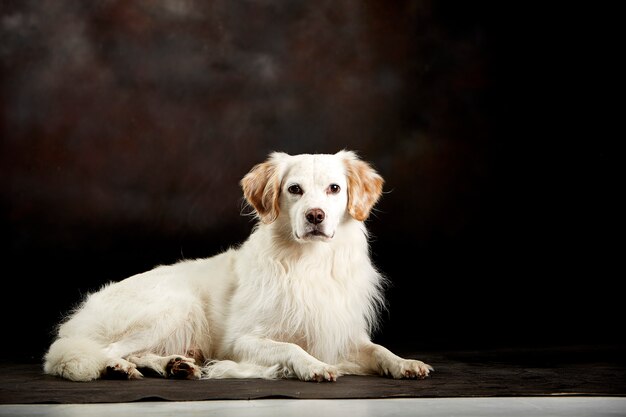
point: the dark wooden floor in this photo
(588, 371)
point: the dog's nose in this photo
(315, 216)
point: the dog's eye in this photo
(334, 188)
(295, 189)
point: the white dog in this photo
(298, 299)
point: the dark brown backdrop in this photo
(126, 126)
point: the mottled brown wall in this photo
(126, 126)
(143, 112)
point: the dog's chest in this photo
(324, 302)
(321, 313)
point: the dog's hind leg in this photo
(83, 359)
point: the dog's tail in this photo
(75, 358)
(229, 369)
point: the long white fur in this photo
(286, 303)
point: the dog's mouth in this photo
(315, 234)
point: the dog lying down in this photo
(298, 299)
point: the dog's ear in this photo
(365, 185)
(261, 187)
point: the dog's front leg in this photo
(373, 358)
(289, 356)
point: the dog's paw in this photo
(121, 369)
(408, 368)
(317, 372)
(181, 367)
(172, 366)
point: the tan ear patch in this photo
(261, 188)
(365, 187)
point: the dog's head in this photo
(313, 194)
